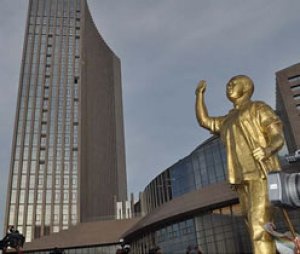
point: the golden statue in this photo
(252, 134)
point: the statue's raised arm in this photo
(207, 122)
(201, 109)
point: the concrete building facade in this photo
(288, 104)
(68, 153)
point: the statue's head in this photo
(239, 88)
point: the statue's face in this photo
(234, 90)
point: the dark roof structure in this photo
(84, 234)
(204, 199)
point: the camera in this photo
(284, 189)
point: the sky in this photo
(166, 47)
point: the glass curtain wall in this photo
(204, 166)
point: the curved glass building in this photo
(204, 166)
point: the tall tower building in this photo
(288, 104)
(68, 155)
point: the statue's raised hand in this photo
(201, 87)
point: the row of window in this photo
(67, 22)
(60, 166)
(294, 78)
(176, 230)
(296, 89)
(52, 30)
(35, 214)
(67, 116)
(35, 53)
(52, 8)
(59, 196)
(43, 181)
(210, 233)
(66, 153)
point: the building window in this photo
(55, 229)
(57, 197)
(21, 214)
(66, 196)
(30, 197)
(47, 214)
(14, 181)
(16, 167)
(28, 233)
(43, 142)
(39, 196)
(12, 214)
(74, 197)
(13, 197)
(295, 88)
(294, 78)
(74, 182)
(32, 182)
(22, 197)
(66, 179)
(57, 181)
(29, 214)
(297, 97)
(48, 196)
(23, 181)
